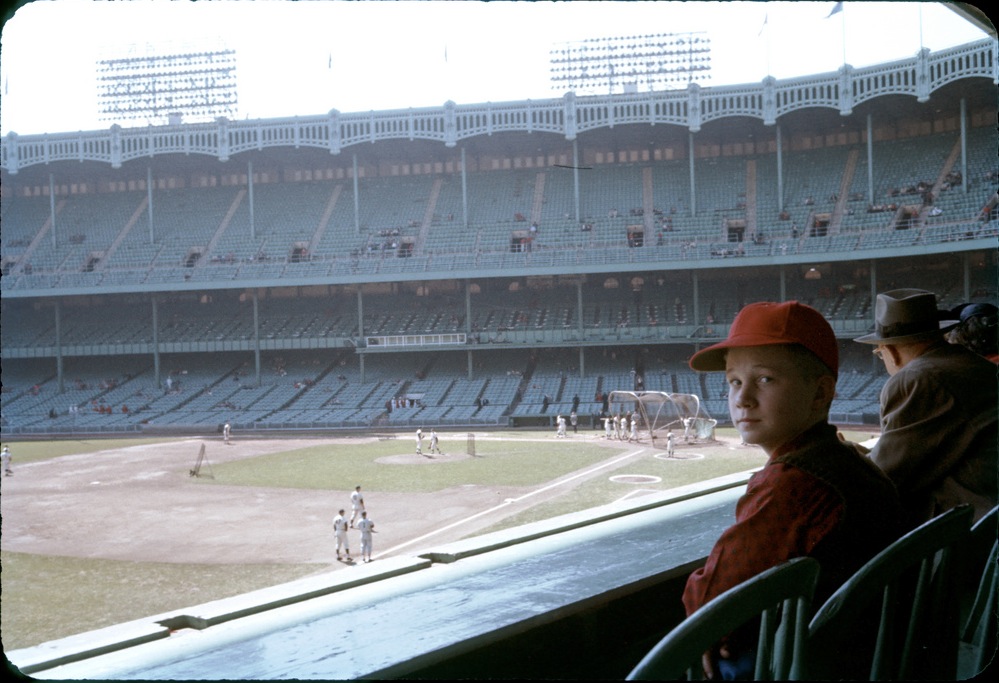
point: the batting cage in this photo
(661, 412)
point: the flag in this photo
(836, 9)
(766, 17)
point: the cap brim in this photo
(712, 359)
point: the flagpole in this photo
(766, 27)
(920, 27)
(842, 14)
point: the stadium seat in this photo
(906, 591)
(781, 594)
(978, 644)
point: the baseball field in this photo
(98, 532)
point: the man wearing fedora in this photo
(938, 410)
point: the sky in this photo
(308, 57)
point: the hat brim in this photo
(875, 338)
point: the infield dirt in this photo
(140, 503)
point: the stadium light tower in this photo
(630, 63)
(190, 83)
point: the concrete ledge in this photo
(220, 611)
(86, 645)
(452, 552)
(129, 634)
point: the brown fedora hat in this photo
(904, 316)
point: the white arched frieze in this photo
(569, 115)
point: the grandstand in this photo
(478, 265)
(483, 267)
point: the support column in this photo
(870, 160)
(249, 198)
(52, 211)
(58, 332)
(964, 147)
(156, 340)
(360, 329)
(693, 184)
(471, 366)
(966, 263)
(357, 202)
(149, 207)
(780, 170)
(697, 297)
(464, 191)
(256, 337)
(575, 176)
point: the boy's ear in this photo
(825, 391)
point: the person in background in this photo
(939, 430)
(6, 458)
(356, 504)
(367, 527)
(977, 330)
(816, 495)
(434, 442)
(340, 525)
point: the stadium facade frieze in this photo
(919, 77)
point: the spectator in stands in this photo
(978, 329)
(938, 410)
(816, 496)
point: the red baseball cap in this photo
(766, 323)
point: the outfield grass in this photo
(33, 451)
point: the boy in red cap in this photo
(816, 495)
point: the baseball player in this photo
(356, 504)
(434, 447)
(367, 527)
(340, 525)
(419, 441)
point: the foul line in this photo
(510, 501)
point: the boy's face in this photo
(770, 398)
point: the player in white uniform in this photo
(434, 447)
(634, 428)
(560, 423)
(669, 444)
(419, 441)
(608, 428)
(340, 525)
(226, 429)
(356, 504)
(367, 527)
(7, 471)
